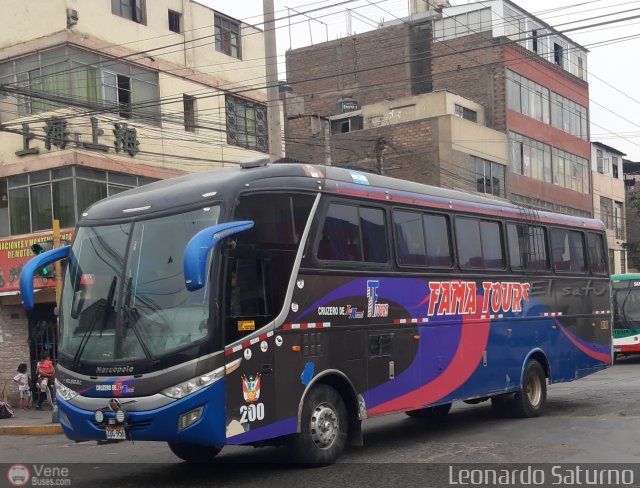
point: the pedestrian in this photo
(46, 374)
(23, 386)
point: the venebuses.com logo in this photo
(18, 475)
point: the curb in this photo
(49, 429)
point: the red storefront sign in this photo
(15, 252)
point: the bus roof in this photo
(206, 187)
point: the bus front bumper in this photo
(159, 424)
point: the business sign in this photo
(14, 254)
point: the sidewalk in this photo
(31, 422)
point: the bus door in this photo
(250, 386)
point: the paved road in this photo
(596, 419)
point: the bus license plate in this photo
(116, 433)
(617, 349)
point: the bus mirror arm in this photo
(29, 270)
(197, 250)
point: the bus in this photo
(283, 304)
(626, 318)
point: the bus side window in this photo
(351, 233)
(527, 247)
(568, 251)
(479, 244)
(597, 263)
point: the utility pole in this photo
(271, 65)
(58, 266)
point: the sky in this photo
(613, 68)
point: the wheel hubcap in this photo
(324, 426)
(534, 390)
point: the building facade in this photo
(529, 78)
(99, 96)
(609, 201)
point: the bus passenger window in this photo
(527, 247)
(491, 245)
(597, 263)
(341, 235)
(568, 251)
(374, 236)
(410, 244)
(437, 235)
(479, 244)
(469, 244)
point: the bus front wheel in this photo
(323, 428)
(530, 400)
(195, 453)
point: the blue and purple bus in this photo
(286, 303)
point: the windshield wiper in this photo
(130, 317)
(103, 307)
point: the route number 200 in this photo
(251, 413)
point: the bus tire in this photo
(530, 400)
(323, 428)
(194, 453)
(430, 413)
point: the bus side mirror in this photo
(33, 265)
(197, 250)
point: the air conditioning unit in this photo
(72, 17)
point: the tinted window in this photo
(284, 221)
(469, 244)
(527, 247)
(479, 244)
(342, 230)
(410, 244)
(491, 244)
(437, 234)
(568, 251)
(596, 254)
(374, 237)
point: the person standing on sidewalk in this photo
(23, 386)
(46, 374)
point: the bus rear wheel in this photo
(430, 413)
(195, 453)
(530, 400)
(323, 428)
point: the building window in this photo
(466, 113)
(606, 212)
(88, 78)
(189, 103)
(227, 33)
(490, 177)
(618, 218)
(527, 97)
(558, 54)
(342, 126)
(117, 92)
(535, 159)
(174, 21)
(130, 9)
(623, 262)
(35, 199)
(614, 166)
(246, 124)
(612, 261)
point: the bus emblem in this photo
(251, 388)
(375, 309)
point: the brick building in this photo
(529, 79)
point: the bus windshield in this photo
(627, 308)
(125, 291)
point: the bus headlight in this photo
(185, 388)
(64, 392)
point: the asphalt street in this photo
(593, 420)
